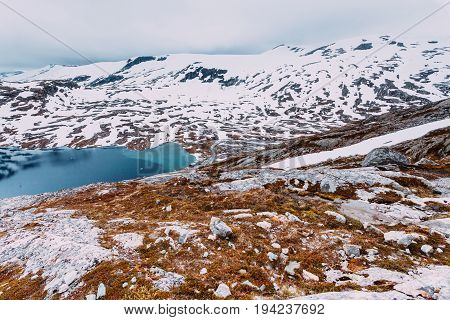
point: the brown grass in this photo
(15, 288)
(387, 197)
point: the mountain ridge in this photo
(284, 92)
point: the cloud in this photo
(115, 30)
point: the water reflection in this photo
(33, 172)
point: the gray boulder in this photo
(384, 156)
(220, 228)
(352, 250)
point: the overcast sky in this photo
(115, 30)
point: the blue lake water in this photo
(27, 172)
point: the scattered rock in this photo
(308, 276)
(292, 217)
(291, 267)
(220, 228)
(265, 225)
(125, 284)
(267, 214)
(384, 156)
(338, 217)
(237, 211)
(222, 291)
(242, 216)
(371, 254)
(212, 237)
(249, 284)
(90, 296)
(101, 291)
(133, 280)
(401, 237)
(352, 250)
(168, 208)
(427, 249)
(203, 271)
(167, 280)
(272, 256)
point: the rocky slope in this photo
(433, 145)
(198, 99)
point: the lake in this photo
(27, 172)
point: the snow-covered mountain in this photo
(281, 93)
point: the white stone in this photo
(401, 237)
(276, 245)
(237, 211)
(264, 225)
(267, 214)
(291, 267)
(168, 208)
(101, 291)
(167, 280)
(125, 284)
(203, 271)
(220, 228)
(272, 256)
(222, 291)
(249, 284)
(90, 297)
(242, 216)
(285, 250)
(338, 217)
(205, 254)
(212, 237)
(292, 217)
(308, 276)
(133, 280)
(427, 249)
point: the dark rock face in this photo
(136, 61)
(205, 74)
(81, 78)
(384, 156)
(109, 79)
(364, 46)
